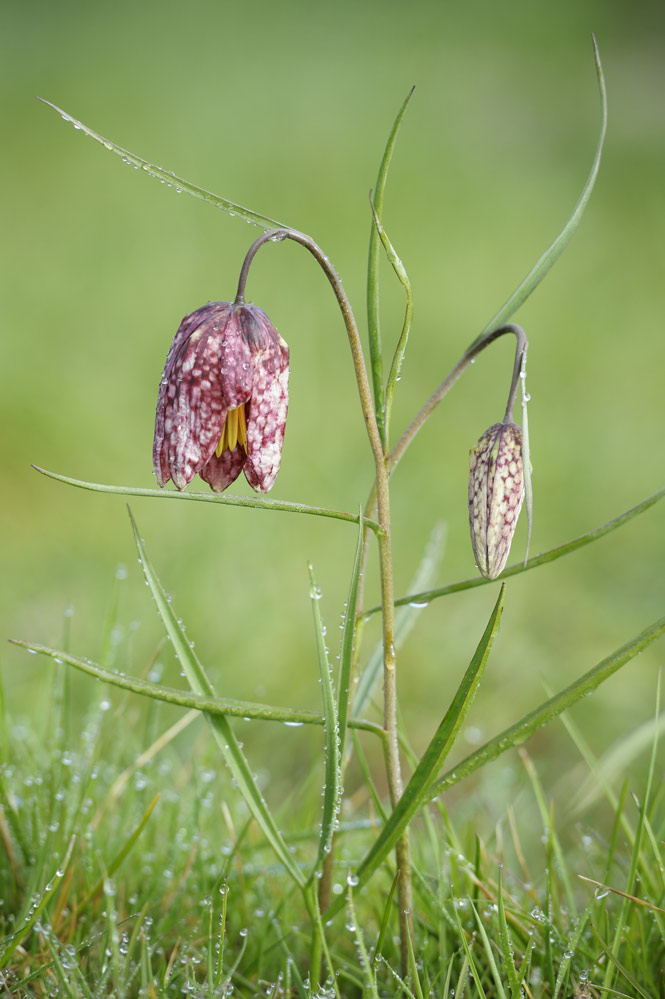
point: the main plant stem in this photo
(381, 464)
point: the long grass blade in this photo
(122, 854)
(545, 263)
(373, 321)
(367, 965)
(554, 706)
(489, 952)
(398, 357)
(249, 502)
(168, 178)
(349, 625)
(37, 908)
(417, 791)
(219, 724)
(634, 866)
(507, 946)
(332, 771)
(514, 570)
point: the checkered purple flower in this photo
(496, 493)
(223, 399)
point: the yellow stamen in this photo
(242, 426)
(234, 430)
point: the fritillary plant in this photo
(222, 410)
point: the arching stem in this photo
(393, 765)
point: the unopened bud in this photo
(496, 493)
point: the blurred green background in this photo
(286, 108)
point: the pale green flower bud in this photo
(496, 493)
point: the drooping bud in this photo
(496, 493)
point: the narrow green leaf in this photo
(549, 830)
(373, 321)
(312, 901)
(169, 178)
(219, 724)
(634, 866)
(12, 942)
(545, 263)
(250, 502)
(347, 643)
(122, 854)
(500, 992)
(385, 920)
(332, 772)
(183, 698)
(398, 356)
(530, 723)
(467, 950)
(507, 946)
(367, 965)
(417, 791)
(65, 989)
(533, 563)
(621, 968)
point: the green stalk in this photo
(393, 765)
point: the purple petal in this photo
(266, 415)
(221, 472)
(237, 363)
(190, 409)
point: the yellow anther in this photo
(234, 430)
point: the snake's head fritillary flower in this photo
(496, 493)
(223, 399)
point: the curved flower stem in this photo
(470, 355)
(439, 393)
(393, 764)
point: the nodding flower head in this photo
(223, 399)
(496, 492)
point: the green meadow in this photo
(286, 109)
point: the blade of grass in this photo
(398, 356)
(490, 953)
(548, 828)
(332, 771)
(168, 178)
(383, 930)
(544, 713)
(613, 962)
(417, 791)
(467, 950)
(514, 570)
(219, 724)
(122, 854)
(413, 965)
(188, 699)
(367, 965)
(312, 901)
(634, 866)
(347, 643)
(400, 981)
(507, 946)
(545, 263)
(373, 320)
(249, 502)
(36, 908)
